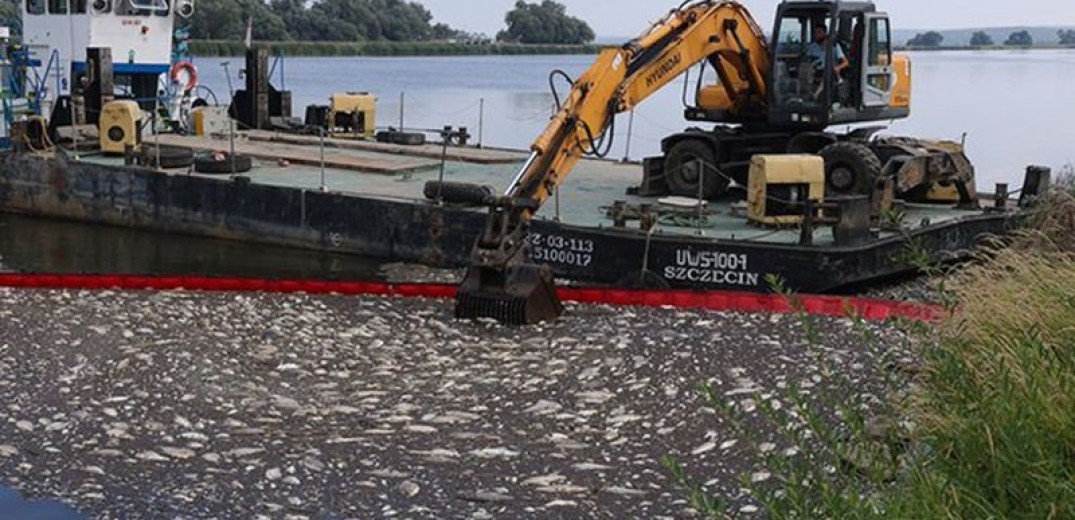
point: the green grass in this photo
(991, 420)
(206, 48)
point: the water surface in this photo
(14, 507)
(1016, 107)
(55, 246)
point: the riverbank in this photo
(976, 48)
(984, 428)
(225, 48)
(214, 48)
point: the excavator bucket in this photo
(519, 294)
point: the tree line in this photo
(373, 21)
(1020, 38)
(357, 21)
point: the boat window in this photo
(35, 6)
(58, 6)
(143, 7)
(79, 6)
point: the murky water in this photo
(53, 246)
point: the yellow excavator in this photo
(828, 63)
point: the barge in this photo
(606, 224)
(387, 216)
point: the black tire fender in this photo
(222, 164)
(170, 157)
(403, 138)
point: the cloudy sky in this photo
(628, 17)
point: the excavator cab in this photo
(810, 88)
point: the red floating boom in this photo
(840, 306)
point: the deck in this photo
(354, 168)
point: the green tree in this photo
(928, 39)
(1067, 36)
(227, 20)
(981, 39)
(547, 22)
(1020, 39)
(321, 20)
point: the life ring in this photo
(192, 75)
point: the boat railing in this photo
(278, 60)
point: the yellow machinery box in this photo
(210, 121)
(779, 184)
(353, 114)
(120, 125)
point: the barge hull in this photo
(402, 230)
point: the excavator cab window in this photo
(802, 65)
(877, 62)
(850, 38)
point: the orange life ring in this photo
(192, 74)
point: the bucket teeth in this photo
(521, 295)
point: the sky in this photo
(629, 17)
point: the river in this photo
(1014, 106)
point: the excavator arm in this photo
(502, 283)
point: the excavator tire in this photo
(850, 168)
(688, 162)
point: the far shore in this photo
(209, 48)
(205, 48)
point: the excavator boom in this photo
(502, 283)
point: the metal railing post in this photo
(323, 187)
(481, 122)
(701, 193)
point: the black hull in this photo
(415, 231)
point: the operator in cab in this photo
(815, 50)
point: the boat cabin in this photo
(138, 32)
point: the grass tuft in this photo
(991, 420)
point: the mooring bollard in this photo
(1000, 199)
